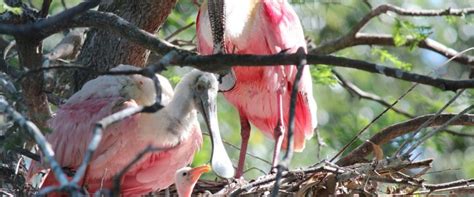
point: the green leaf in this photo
(451, 19)
(322, 74)
(407, 33)
(385, 56)
(14, 10)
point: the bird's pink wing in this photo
(283, 31)
(72, 131)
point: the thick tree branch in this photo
(116, 24)
(387, 40)
(400, 129)
(39, 29)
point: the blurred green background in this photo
(341, 114)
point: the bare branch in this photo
(352, 88)
(387, 40)
(39, 29)
(384, 8)
(114, 23)
(428, 122)
(285, 162)
(396, 130)
(33, 131)
(430, 134)
(45, 8)
(118, 177)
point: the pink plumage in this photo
(264, 27)
(72, 131)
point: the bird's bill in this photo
(220, 161)
(198, 171)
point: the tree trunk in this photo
(103, 50)
(30, 55)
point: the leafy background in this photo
(341, 114)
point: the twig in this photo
(118, 177)
(179, 31)
(371, 122)
(428, 122)
(43, 144)
(399, 129)
(247, 153)
(430, 134)
(387, 40)
(116, 24)
(384, 8)
(38, 30)
(45, 8)
(352, 88)
(283, 165)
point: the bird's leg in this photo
(245, 134)
(279, 131)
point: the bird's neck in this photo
(182, 104)
(239, 16)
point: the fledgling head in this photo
(187, 177)
(202, 87)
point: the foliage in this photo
(5, 8)
(322, 74)
(385, 56)
(405, 30)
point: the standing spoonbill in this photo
(262, 94)
(187, 177)
(175, 126)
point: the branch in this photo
(384, 8)
(41, 28)
(285, 162)
(433, 132)
(118, 177)
(354, 37)
(45, 8)
(353, 89)
(207, 63)
(400, 129)
(43, 144)
(387, 40)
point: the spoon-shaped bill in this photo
(220, 161)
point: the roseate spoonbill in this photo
(175, 126)
(261, 94)
(187, 177)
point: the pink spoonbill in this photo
(175, 126)
(261, 94)
(187, 177)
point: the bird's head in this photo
(187, 177)
(203, 87)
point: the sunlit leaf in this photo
(386, 56)
(14, 10)
(322, 74)
(406, 30)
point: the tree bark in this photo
(103, 50)
(30, 55)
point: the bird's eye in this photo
(185, 173)
(200, 87)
